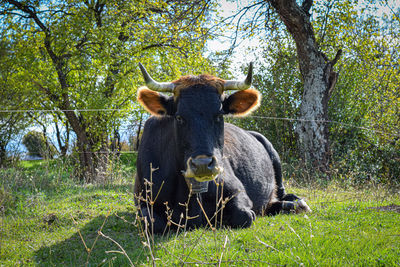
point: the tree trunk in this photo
(138, 132)
(312, 128)
(318, 78)
(86, 155)
(48, 153)
(3, 155)
(63, 144)
(89, 164)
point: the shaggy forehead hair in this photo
(204, 79)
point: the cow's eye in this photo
(179, 119)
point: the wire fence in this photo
(364, 155)
(127, 131)
(343, 124)
(60, 110)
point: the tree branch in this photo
(53, 97)
(160, 45)
(306, 6)
(32, 13)
(299, 26)
(337, 57)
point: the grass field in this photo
(49, 220)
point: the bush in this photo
(38, 145)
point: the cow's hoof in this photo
(301, 206)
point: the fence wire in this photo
(60, 110)
(343, 124)
(327, 121)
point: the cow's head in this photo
(197, 106)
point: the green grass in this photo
(49, 219)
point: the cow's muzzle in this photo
(199, 171)
(202, 168)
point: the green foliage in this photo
(366, 94)
(364, 108)
(38, 145)
(281, 88)
(71, 55)
(6, 200)
(100, 47)
(11, 124)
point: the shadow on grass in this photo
(97, 250)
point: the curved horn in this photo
(240, 85)
(154, 85)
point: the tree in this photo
(367, 93)
(316, 70)
(62, 139)
(319, 79)
(365, 142)
(78, 55)
(11, 124)
(279, 82)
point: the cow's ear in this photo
(154, 102)
(242, 103)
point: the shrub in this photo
(38, 145)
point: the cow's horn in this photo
(154, 85)
(240, 85)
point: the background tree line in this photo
(71, 56)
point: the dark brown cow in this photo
(197, 158)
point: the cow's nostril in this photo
(192, 164)
(202, 162)
(212, 163)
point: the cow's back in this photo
(251, 164)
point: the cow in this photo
(193, 168)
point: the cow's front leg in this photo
(238, 211)
(187, 214)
